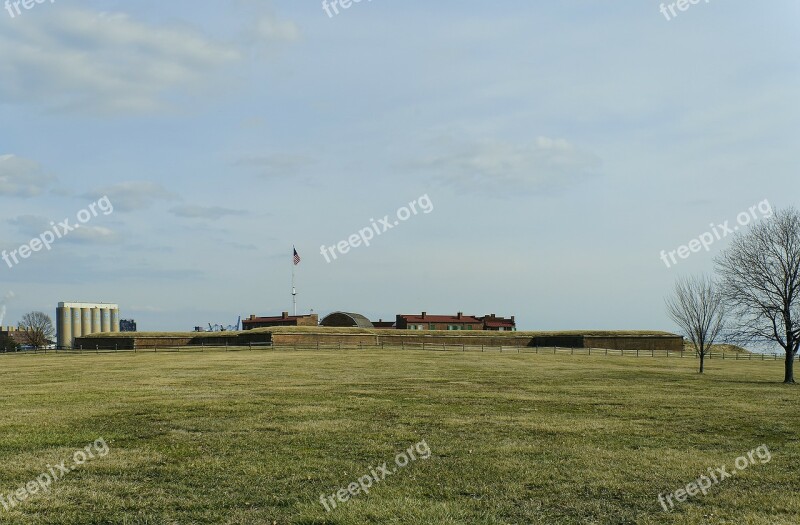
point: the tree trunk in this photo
(702, 361)
(788, 376)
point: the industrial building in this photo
(78, 319)
(127, 325)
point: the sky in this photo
(552, 151)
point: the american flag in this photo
(296, 256)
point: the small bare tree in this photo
(38, 328)
(761, 283)
(698, 309)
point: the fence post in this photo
(637, 352)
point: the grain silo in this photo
(79, 319)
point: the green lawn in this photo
(257, 437)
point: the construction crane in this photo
(221, 328)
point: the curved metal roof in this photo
(346, 319)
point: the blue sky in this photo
(563, 145)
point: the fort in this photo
(346, 337)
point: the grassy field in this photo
(257, 437)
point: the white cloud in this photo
(545, 164)
(270, 29)
(275, 165)
(204, 212)
(76, 59)
(21, 177)
(34, 225)
(93, 235)
(132, 195)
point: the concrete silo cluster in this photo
(79, 319)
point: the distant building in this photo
(283, 320)
(498, 324)
(15, 334)
(459, 321)
(438, 322)
(127, 325)
(380, 323)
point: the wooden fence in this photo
(433, 347)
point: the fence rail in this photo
(433, 347)
(149, 349)
(443, 347)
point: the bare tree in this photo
(38, 328)
(761, 283)
(697, 308)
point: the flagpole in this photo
(294, 291)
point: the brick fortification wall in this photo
(387, 338)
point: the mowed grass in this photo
(257, 437)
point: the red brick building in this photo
(438, 322)
(459, 321)
(15, 334)
(499, 324)
(283, 320)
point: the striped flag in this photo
(296, 256)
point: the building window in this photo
(431, 326)
(469, 327)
